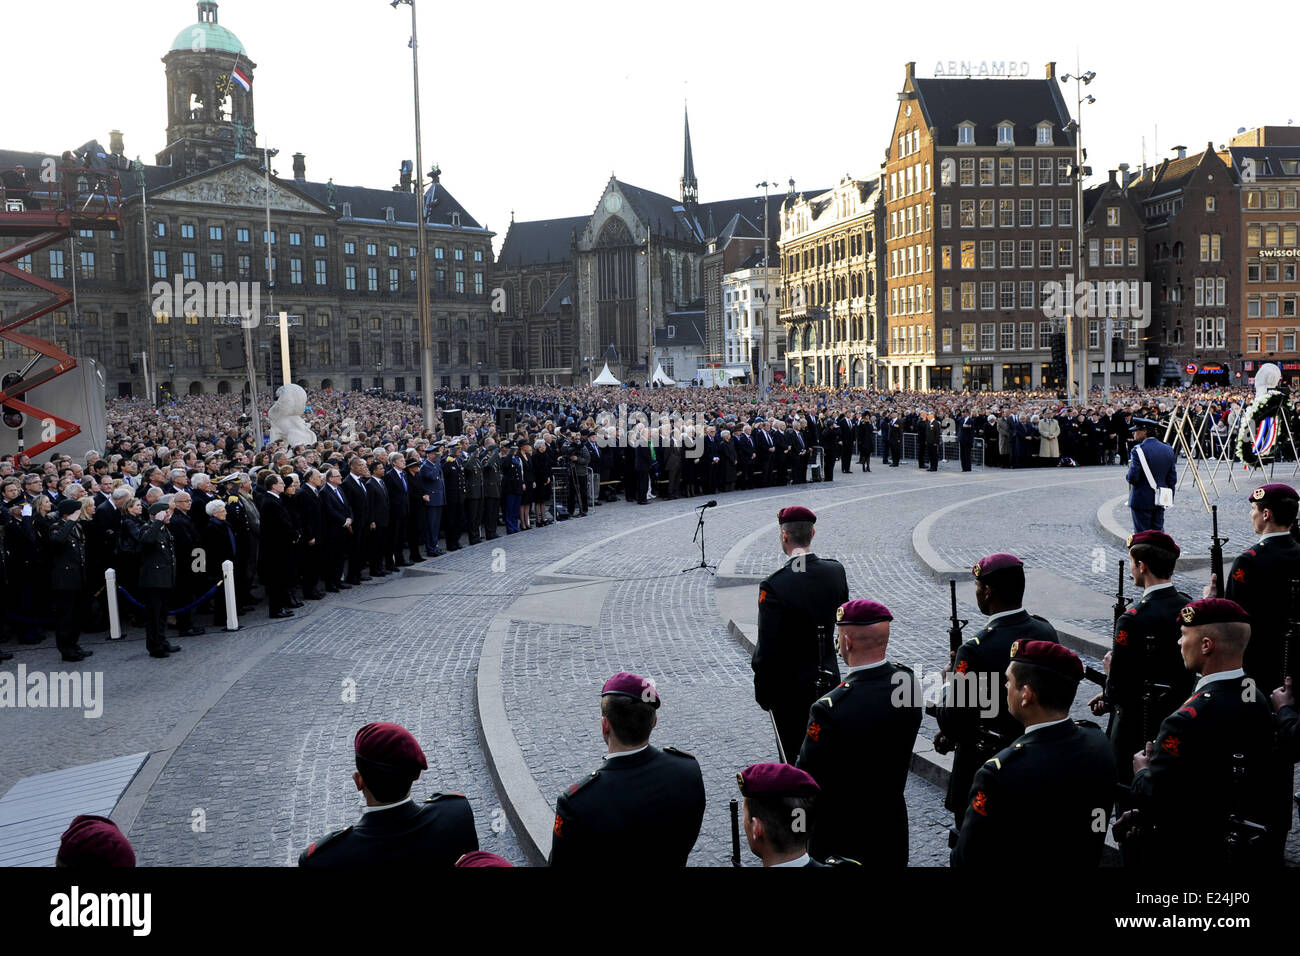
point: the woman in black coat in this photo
(543, 461)
(219, 545)
(128, 556)
(526, 502)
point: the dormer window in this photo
(1044, 134)
(347, 210)
(388, 214)
(455, 219)
(1006, 134)
(966, 134)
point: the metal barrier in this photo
(949, 449)
(560, 491)
(816, 463)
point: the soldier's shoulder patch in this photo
(678, 753)
(1239, 575)
(993, 762)
(815, 732)
(1121, 638)
(558, 827)
(762, 594)
(962, 667)
(1171, 745)
(1249, 552)
(325, 841)
(585, 781)
(980, 803)
(974, 641)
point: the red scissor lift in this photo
(39, 208)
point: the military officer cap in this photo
(1212, 611)
(995, 562)
(1050, 656)
(624, 684)
(776, 780)
(795, 513)
(482, 858)
(862, 612)
(157, 508)
(1157, 539)
(91, 841)
(67, 506)
(1272, 495)
(432, 449)
(390, 747)
(1144, 425)
(453, 442)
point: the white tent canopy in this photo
(606, 377)
(660, 377)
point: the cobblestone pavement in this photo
(267, 760)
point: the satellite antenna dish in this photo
(1241, 129)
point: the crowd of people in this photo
(182, 488)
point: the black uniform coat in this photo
(1260, 581)
(858, 747)
(652, 800)
(1055, 785)
(157, 556)
(435, 833)
(981, 663)
(1187, 794)
(1154, 617)
(69, 551)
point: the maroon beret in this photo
(630, 685)
(1212, 611)
(777, 780)
(1157, 539)
(996, 562)
(796, 513)
(390, 747)
(1271, 495)
(482, 858)
(1052, 656)
(91, 841)
(862, 612)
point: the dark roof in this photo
(988, 102)
(372, 203)
(1091, 196)
(542, 240)
(666, 217)
(1267, 158)
(561, 299)
(688, 329)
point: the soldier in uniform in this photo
(1184, 791)
(394, 829)
(157, 578)
(794, 658)
(861, 813)
(779, 814)
(473, 470)
(68, 579)
(1056, 781)
(644, 797)
(1161, 462)
(433, 493)
(453, 481)
(1260, 581)
(974, 719)
(490, 459)
(1145, 676)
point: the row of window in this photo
(1271, 234)
(1010, 213)
(824, 253)
(1012, 171)
(1270, 272)
(1270, 198)
(909, 220)
(1269, 307)
(1108, 297)
(243, 235)
(1012, 336)
(1270, 338)
(909, 181)
(1006, 134)
(1010, 254)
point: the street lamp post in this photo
(422, 263)
(1080, 171)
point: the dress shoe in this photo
(172, 648)
(417, 559)
(344, 586)
(379, 574)
(364, 578)
(296, 603)
(74, 656)
(192, 632)
(314, 595)
(159, 653)
(402, 564)
(438, 552)
(282, 613)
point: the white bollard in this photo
(110, 595)
(232, 606)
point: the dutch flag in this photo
(242, 79)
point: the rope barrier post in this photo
(110, 596)
(232, 607)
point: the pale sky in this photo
(530, 106)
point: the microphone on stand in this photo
(711, 504)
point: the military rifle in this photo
(1151, 693)
(986, 744)
(941, 743)
(735, 833)
(1216, 552)
(1292, 632)
(1243, 837)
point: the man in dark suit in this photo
(309, 508)
(974, 719)
(642, 796)
(399, 506)
(1186, 786)
(157, 578)
(933, 437)
(490, 461)
(354, 490)
(380, 533)
(278, 542)
(68, 579)
(394, 830)
(336, 530)
(744, 458)
(1144, 655)
(895, 440)
(189, 583)
(799, 445)
(866, 437)
(794, 658)
(965, 439)
(861, 813)
(1055, 781)
(764, 453)
(415, 520)
(641, 464)
(848, 433)
(1148, 514)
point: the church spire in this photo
(690, 188)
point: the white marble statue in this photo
(286, 416)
